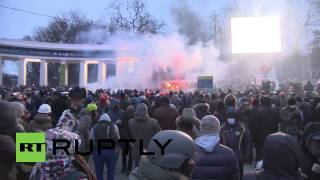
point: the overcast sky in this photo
(16, 24)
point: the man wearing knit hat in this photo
(220, 159)
(188, 122)
(142, 127)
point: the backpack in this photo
(105, 130)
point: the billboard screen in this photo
(256, 34)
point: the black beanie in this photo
(292, 101)
(76, 93)
(7, 115)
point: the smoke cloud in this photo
(145, 61)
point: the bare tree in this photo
(313, 14)
(131, 15)
(65, 28)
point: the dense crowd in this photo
(213, 134)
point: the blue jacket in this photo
(220, 164)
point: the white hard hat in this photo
(45, 109)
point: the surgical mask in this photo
(231, 121)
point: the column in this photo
(101, 72)
(22, 72)
(66, 71)
(83, 74)
(43, 73)
(1, 71)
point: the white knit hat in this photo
(44, 109)
(188, 113)
(105, 117)
(209, 124)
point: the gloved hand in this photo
(316, 167)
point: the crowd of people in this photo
(213, 134)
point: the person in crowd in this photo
(213, 160)
(213, 103)
(124, 101)
(281, 159)
(201, 109)
(305, 107)
(166, 115)
(176, 101)
(92, 109)
(245, 110)
(291, 118)
(142, 127)
(176, 163)
(76, 119)
(230, 101)
(309, 87)
(62, 166)
(58, 105)
(310, 145)
(105, 129)
(20, 109)
(134, 101)
(220, 112)
(104, 104)
(267, 123)
(115, 112)
(124, 129)
(283, 100)
(42, 120)
(235, 135)
(8, 125)
(188, 123)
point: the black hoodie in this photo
(308, 159)
(281, 159)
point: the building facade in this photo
(92, 62)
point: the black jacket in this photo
(281, 159)
(307, 157)
(266, 123)
(237, 137)
(7, 157)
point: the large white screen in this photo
(256, 34)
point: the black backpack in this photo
(105, 130)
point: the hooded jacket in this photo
(147, 171)
(115, 112)
(123, 124)
(281, 159)
(214, 161)
(291, 120)
(8, 157)
(308, 158)
(142, 127)
(62, 165)
(166, 116)
(266, 123)
(41, 122)
(188, 123)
